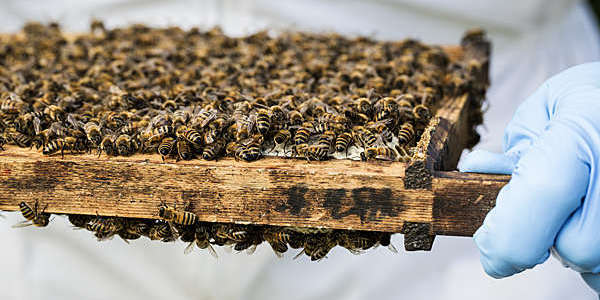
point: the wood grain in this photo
(288, 192)
(462, 200)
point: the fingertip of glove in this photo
(481, 161)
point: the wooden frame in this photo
(420, 199)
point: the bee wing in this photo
(212, 251)
(37, 125)
(22, 224)
(74, 122)
(189, 248)
(251, 122)
(392, 248)
(299, 254)
(356, 251)
(209, 118)
(124, 240)
(251, 249)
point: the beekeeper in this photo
(551, 146)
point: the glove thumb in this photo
(481, 161)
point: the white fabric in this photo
(533, 39)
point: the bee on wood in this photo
(171, 215)
(263, 120)
(406, 133)
(363, 136)
(250, 149)
(107, 145)
(281, 138)
(303, 133)
(61, 144)
(93, 133)
(421, 113)
(212, 151)
(19, 139)
(379, 152)
(357, 242)
(33, 216)
(166, 147)
(124, 145)
(184, 150)
(343, 141)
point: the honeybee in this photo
(386, 108)
(54, 113)
(318, 245)
(137, 227)
(61, 144)
(296, 118)
(33, 216)
(406, 133)
(365, 137)
(379, 152)
(250, 149)
(162, 230)
(202, 240)
(193, 136)
(105, 227)
(166, 147)
(278, 238)
(212, 151)
(171, 215)
(184, 150)
(356, 242)
(363, 105)
(80, 221)
(18, 138)
(124, 145)
(343, 141)
(126, 236)
(263, 120)
(356, 117)
(281, 138)
(12, 105)
(93, 133)
(303, 133)
(108, 145)
(421, 113)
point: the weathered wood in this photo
(289, 192)
(461, 201)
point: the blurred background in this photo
(532, 40)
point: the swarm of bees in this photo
(184, 225)
(194, 94)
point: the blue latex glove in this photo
(552, 202)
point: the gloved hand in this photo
(552, 202)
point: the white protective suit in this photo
(532, 40)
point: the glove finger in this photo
(481, 161)
(593, 280)
(528, 122)
(546, 187)
(577, 243)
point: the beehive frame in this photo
(420, 198)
